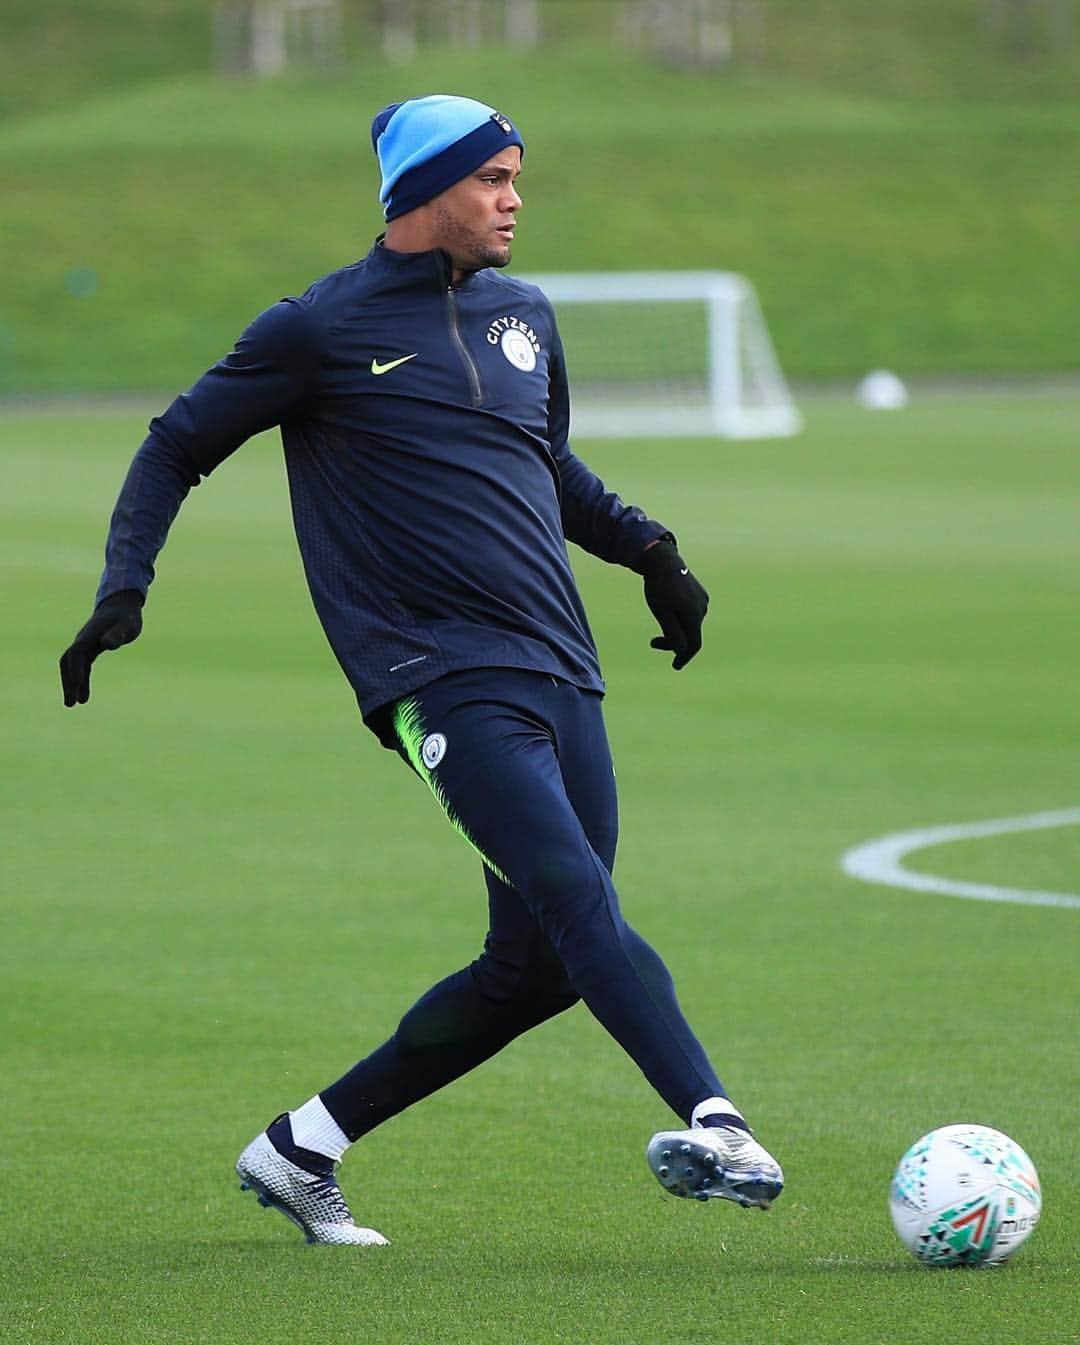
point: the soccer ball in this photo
(965, 1195)
(881, 391)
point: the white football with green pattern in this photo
(965, 1195)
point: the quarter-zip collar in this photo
(409, 269)
(431, 272)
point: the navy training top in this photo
(425, 429)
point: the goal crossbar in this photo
(730, 385)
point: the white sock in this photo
(314, 1128)
(714, 1106)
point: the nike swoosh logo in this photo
(377, 368)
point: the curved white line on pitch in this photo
(878, 861)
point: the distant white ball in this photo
(965, 1195)
(882, 390)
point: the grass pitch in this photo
(219, 891)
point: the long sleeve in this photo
(266, 378)
(595, 518)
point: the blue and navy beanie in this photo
(427, 144)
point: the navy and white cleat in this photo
(315, 1204)
(704, 1164)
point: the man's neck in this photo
(409, 233)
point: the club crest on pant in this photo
(433, 749)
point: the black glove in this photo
(117, 620)
(676, 599)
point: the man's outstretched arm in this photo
(266, 377)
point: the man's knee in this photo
(450, 1011)
(527, 975)
(565, 887)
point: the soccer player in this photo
(422, 399)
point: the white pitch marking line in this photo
(878, 861)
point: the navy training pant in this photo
(520, 763)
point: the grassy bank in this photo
(142, 229)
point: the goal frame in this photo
(738, 349)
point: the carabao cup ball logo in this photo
(518, 349)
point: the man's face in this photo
(474, 219)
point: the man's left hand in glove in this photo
(676, 599)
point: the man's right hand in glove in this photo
(117, 620)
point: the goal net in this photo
(668, 353)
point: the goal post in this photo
(665, 353)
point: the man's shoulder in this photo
(311, 318)
(337, 287)
(296, 329)
(514, 287)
